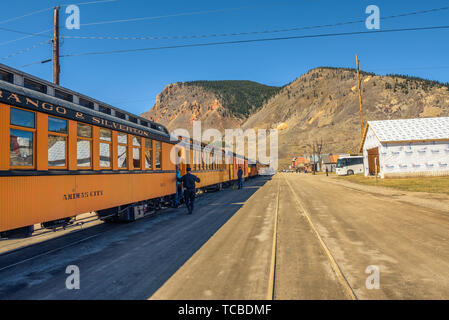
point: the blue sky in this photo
(132, 80)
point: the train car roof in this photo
(20, 82)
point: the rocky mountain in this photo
(218, 104)
(321, 104)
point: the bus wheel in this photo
(350, 172)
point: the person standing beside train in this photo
(188, 181)
(240, 177)
(179, 192)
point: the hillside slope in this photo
(323, 103)
(218, 104)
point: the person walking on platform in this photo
(188, 181)
(179, 192)
(240, 177)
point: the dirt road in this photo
(330, 239)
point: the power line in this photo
(30, 35)
(25, 50)
(50, 8)
(26, 15)
(250, 32)
(257, 40)
(36, 62)
(88, 2)
(170, 15)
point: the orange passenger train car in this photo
(63, 154)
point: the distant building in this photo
(329, 161)
(409, 147)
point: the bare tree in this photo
(315, 149)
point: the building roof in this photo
(409, 130)
(334, 158)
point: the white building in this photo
(409, 147)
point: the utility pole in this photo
(359, 85)
(56, 69)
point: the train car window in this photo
(21, 148)
(212, 161)
(84, 130)
(148, 153)
(136, 152)
(203, 160)
(132, 119)
(136, 141)
(122, 138)
(120, 115)
(57, 125)
(122, 150)
(197, 160)
(6, 76)
(104, 109)
(158, 155)
(22, 118)
(105, 148)
(84, 145)
(21, 140)
(57, 142)
(33, 85)
(63, 95)
(105, 135)
(86, 103)
(136, 158)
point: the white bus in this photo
(348, 165)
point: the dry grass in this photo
(421, 184)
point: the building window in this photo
(122, 150)
(148, 153)
(57, 142)
(105, 148)
(21, 141)
(136, 152)
(158, 156)
(84, 145)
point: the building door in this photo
(373, 161)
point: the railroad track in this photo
(271, 293)
(79, 222)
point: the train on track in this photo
(63, 154)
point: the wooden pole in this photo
(56, 68)
(359, 84)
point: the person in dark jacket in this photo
(240, 177)
(188, 181)
(179, 192)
